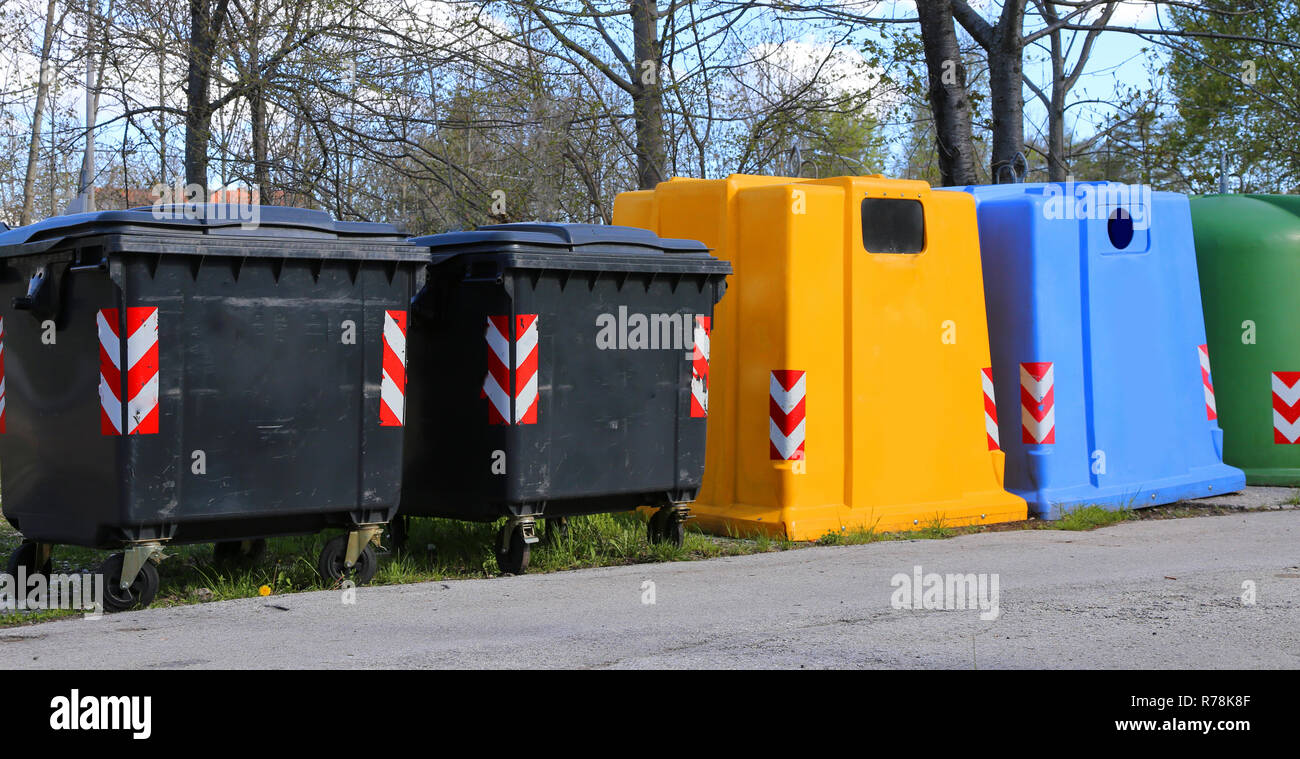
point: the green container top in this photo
(1246, 222)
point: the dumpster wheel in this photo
(514, 545)
(141, 592)
(29, 556)
(333, 562)
(668, 525)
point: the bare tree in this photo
(636, 71)
(206, 20)
(948, 96)
(1004, 43)
(53, 21)
(1063, 81)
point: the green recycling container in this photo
(1248, 254)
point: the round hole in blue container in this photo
(1120, 228)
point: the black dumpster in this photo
(178, 375)
(559, 370)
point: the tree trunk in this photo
(1055, 101)
(1057, 171)
(949, 101)
(162, 117)
(205, 25)
(38, 113)
(257, 104)
(94, 79)
(647, 100)
(1006, 90)
(1004, 46)
(257, 113)
(1063, 82)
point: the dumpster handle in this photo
(42, 298)
(28, 302)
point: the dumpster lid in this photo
(212, 219)
(563, 243)
(563, 235)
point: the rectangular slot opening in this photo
(893, 225)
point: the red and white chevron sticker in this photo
(700, 368)
(1211, 412)
(787, 390)
(1037, 403)
(2, 374)
(392, 387)
(526, 369)
(1286, 408)
(497, 382)
(140, 387)
(524, 372)
(990, 409)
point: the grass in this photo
(441, 549)
(1090, 518)
(437, 549)
(935, 529)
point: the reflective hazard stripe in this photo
(503, 408)
(700, 367)
(392, 386)
(787, 390)
(1037, 403)
(140, 382)
(526, 370)
(1286, 407)
(990, 410)
(1211, 411)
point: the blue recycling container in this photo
(1100, 368)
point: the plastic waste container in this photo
(1100, 365)
(1248, 251)
(559, 370)
(848, 386)
(179, 375)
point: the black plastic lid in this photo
(204, 223)
(598, 246)
(572, 236)
(274, 221)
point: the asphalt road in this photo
(1142, 594)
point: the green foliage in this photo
(1136, 146)
(1219, 107)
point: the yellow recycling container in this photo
(846, 382)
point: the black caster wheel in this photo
(234, 552)
(399, 533)
(139, 595)
(25, 556)
(665, 527)
(675, 532)
(513, 560)
(334, 555)
(557, 529)
(653, 527)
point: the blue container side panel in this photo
(1121, 327)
